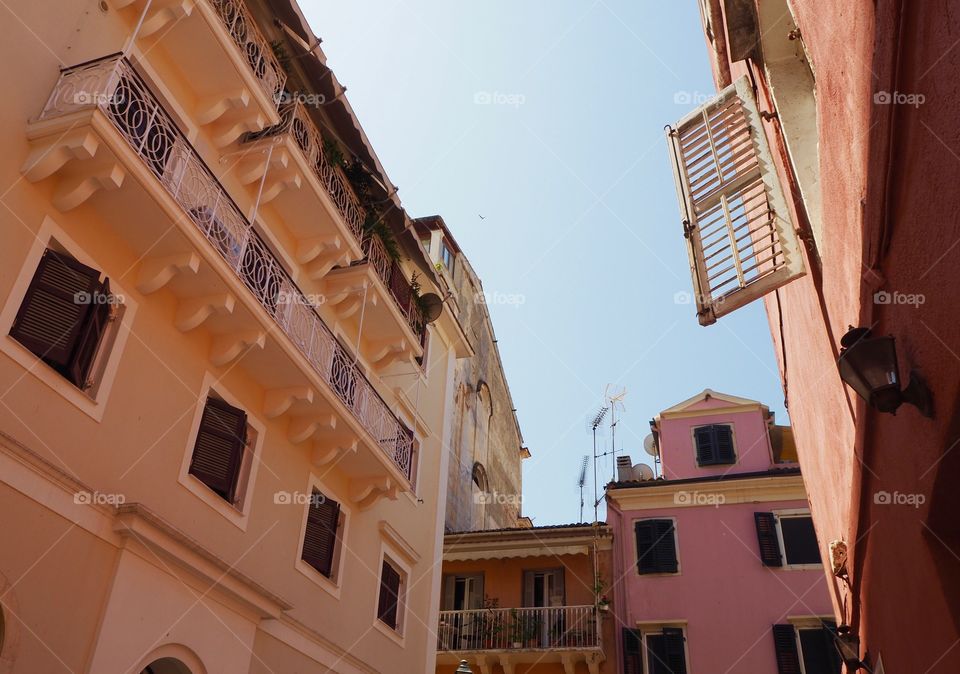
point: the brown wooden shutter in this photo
(656, 546)
(785, 643)
(632, 651)
(388, 603)
(53, 313)
(90, 336)
(673, 650)
(218, 452)
(767, 539)
(320, 538)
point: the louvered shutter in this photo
(723, 441)
(389, 595)
(632, 651)
(674, 653)
(218, 452)
(90, 336)
(320, 537)
(740, 240)
(656, 546)
(785, 643)
(53, 313)
(706, 453)
(767, 539)
(666, 547)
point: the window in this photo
(658, 650)
(714, 445)
(220, 448)
(64, 316)
(741, 242)
(391, 595)
(806, 648)
(656, 546)
(446, 256)
(321, 536)
(787, 539)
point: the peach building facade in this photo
(221, 438)
(527, 601)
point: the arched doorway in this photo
(166, 666)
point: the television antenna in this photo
(581, 480)
(614, 399)
(594, 425)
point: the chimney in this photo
(625, 469)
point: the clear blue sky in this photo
(568, 165)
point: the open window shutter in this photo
(218, 451)
(723, 443)
(632, 651)
(320, 537)
(558, 587)
(740, 240)
(706, 452)
(785, 643)
(767, 538)
(53, 315)
(673, 651)
(833, 663)
(666, 547)
(89, 339)
(449, 587)
(389, 595)
(528, 579)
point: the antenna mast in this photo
(594, 425)
(581, 481)
(614, 400)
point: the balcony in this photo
(111, 147)
(217, 50)
(286, 168)
(512, 636)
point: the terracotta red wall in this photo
(886, 230)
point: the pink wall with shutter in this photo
(727, 598)
(750, 438)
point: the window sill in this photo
(237, 517)
(328, 585)
(384, 628)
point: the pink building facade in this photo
(716, 564)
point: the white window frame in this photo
(91, 402)
(806, 623)
(710, 308)
(793, 513)
(333, 584)
(676, 547)
(393, 557)
(238, 513)
(733, 439)
(656, 628)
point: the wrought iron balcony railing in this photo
(295, 121)
(393, 277)
(254, 46)
(491, 629)
(112, 85)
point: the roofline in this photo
(725, 477)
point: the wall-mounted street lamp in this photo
(464, 668)
(869, 365)
(848, 645)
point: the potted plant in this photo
(523, 629)
(603, 603)
(491, 623)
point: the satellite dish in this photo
(432, 307)
(650, 445)
(645, 471)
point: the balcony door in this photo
(463, 593)
(543, 589)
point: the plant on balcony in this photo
(332, 154)
(523, 628)
(416, 289)
(490, 622)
